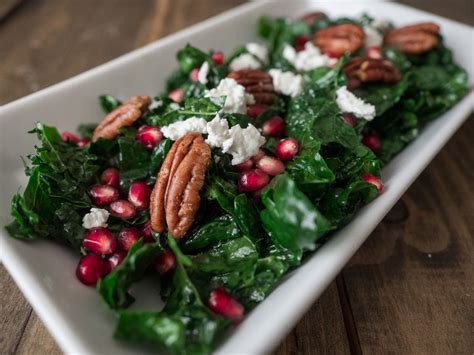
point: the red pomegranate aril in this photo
(112, 261)
(139, 195)
(261, 153)
(332, 55)
(218, 58)
(99, 241)
(371, 141)
(194, 75)
(349, 118)
(256, 110)
(149, 136)
(252, 180)
(176, 95)
(110, 177)
(103, 195)
(83, 142)
(300, 42)
(122, 209)
(274, 127)
(90, 269)
(374, 53)
(244, 166)
(270, 165)
(165, 262)
(69, 136)
(221, 302)
(374, 180)
(287, 149)
(127, 237)
(145, 232)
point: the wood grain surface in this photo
(408, 290)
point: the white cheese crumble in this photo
(380, 24)
(203, 71)
(307, 59)
(178, 129)
(258, 50)
(244, 61)
(236, 98)
(174, 106)
(286, 83)
(241, 143)
(373, 38)
(350, 103)
(97, 217)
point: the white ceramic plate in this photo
(75, 314)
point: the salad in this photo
(245, 164)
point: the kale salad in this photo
(246, 163)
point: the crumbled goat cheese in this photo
(350, 103)
(236, 98)
(244, 61)
(307, 59)
(97, 217)
(258, 50)
(174, 106)
(203, 71)
(241, 143)
(286, 83)
(178, 129)
(373, 37)
(380, 24)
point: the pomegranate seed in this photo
(256, 110)
(165, 262)
(110, 177)
(83, 142)
(145, 231)
(221, 302)
(99, 241)
(374, 180)
(127, 237)
(122, 209)
(149, 136)
(270, 165)
(252, 180)
(371, 141)
(374, 53)
(300, 42)
(218, 58)
(102, 195)
(287, 149)
(246, 165)
(194, 75)
(114, 260)
(90, 269)
(176, 95)
(349, 118)
(332, 55)
(274, 127)
(261, 153)
(69, 136)
(139, 195)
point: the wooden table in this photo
(409, 289)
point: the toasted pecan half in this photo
(123, 116)
(363, 70)
(256, 82)
(175, 198)
(339, 39)
(414, 39)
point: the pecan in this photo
(414, 39)
(363, 70)
(339, 39)
(175, 198)
(256, 82)
(124, 115)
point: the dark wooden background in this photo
(408, 290)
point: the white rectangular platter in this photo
(75, 315)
